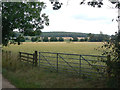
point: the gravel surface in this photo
(6, 83)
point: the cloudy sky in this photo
(73, 17)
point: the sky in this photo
(73, 17)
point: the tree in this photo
(22, 16)
(19, 39)
(111, 49)
(37, 32)
(53, 39)
(82, 40)
(60, 39)
(70, 39)
(98, 37)
(45, 39)
(34, 39)
(75, 39)
(29, 32)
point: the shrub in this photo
(75, 39)
(45, 39)
(53, 39)
(34, 39)
(60, 39)
(85, 39)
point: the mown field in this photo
(26, 76)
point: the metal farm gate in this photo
(87, 66)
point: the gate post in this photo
(80, 65)
(35, 58)
(57, 62)
(39, 59)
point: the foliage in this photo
(34, 39)
(93, 3)
(26, 38)
(62, 34)
(30, 32)
(60, 39)
(45, 39)
(82, 40)
(70, 39)
(53, 39)
(37, 32)
(20, 39)
(75, 39)
(39, 40)
(112, 50)
(98, 38)
(56, 5)
(12, 42)
(22, 16)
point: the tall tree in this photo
(22, 16)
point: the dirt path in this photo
(6, 83)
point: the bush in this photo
(45, 39)
(60, 39)
(53, 39)
(85, 39)
(75, 39)
(34, 39)
(22, 39)
(39, 40)
(27, 38)
(12, 41)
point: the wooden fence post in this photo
(35, 58)
(57, 62)
(80, 65)
(39, 59)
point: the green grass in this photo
(23, 75)
(63, 47)
(35, 78)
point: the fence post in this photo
(35, 58)
(80, 65)
(57, 62)
(28, 57)
(20, 55)
(39, 59)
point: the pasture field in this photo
(25, 76)
(85, 48)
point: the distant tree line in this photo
(35, 37)
(72, 39)
(63, 34)
(98, 38)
